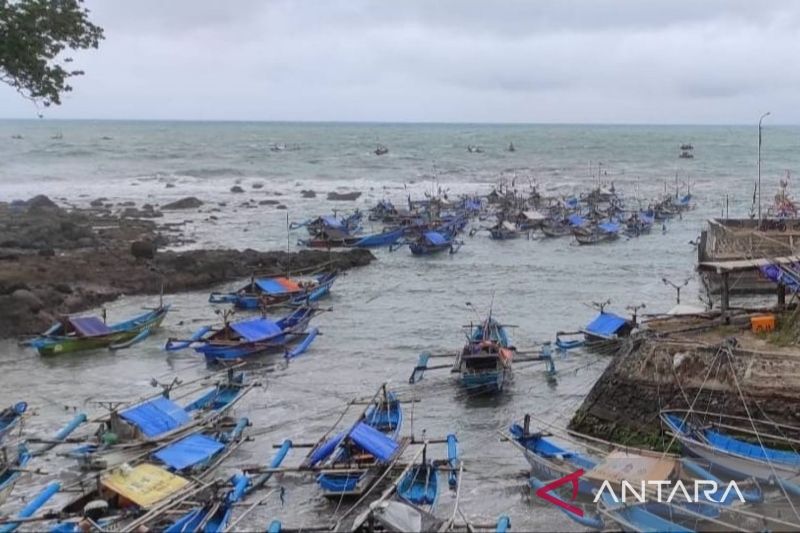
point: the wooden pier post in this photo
(781, 296)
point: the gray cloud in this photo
(714, 61)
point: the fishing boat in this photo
(607, 327)
(420, 484)
(265, 292)
(316, 227)
(72, 334)
(638, 224)
(329, 239)
(381, 150)
(433, 242)
(126, 431)
(603, 232)
(556, 228)
(253, 336)
(133, 495)
(13, 460)
(530, 220)
(351, 461)
(612, 467)
(215, 515)
(10, 418)
(737, 447)
(504, 230)
(484, 363)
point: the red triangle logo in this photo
(544, 492)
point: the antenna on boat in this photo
(677, 287)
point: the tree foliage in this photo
(35, 37)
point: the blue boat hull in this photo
(485, 382)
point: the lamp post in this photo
(759, 166)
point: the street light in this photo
(759, 166)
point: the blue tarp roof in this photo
(271, 286)
(373, 441)
(572, 202)
(366, 437)
(576, 220)
(256, 329)
(189, 451)
(647, 219)
(90, 326)
(606, 325)
(434, 237)
(332, 221)
(609, 227)
(156, 416)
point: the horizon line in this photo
(390, 123)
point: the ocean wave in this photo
(210, 172)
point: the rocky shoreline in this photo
(55, 261)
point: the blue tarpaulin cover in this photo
(365, 437)
(156, 416)
(189, 451)
(257, 329)
(332, 222)
(609, 227)
(90, 326)
(644, 217)
(576, 220)
(606, 325)
(435, 237)
(271, 286)
(373, 441)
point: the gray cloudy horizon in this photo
(619, 61)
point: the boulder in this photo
(144, 249)
(237, 189)
(28, 299)
(308, 193)
(41, 202)
(190, 202)
(343, 196)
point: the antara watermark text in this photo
(668, 491)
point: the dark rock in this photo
(258, 185)
(46, 252)
(190, 202)
(28, 299)
(41, 202)
(237, 189)
(144, 249)
(98, 202)
(308, 193)
(127, 204)
(169, 186)
(343, 196)
(281, 206)
(268, 202)
(63, 288)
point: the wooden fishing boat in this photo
(638, 224)
(128, 431)
(504, 230)
(550, 460)
(330, 239)
(484, 363)
(73, 334)
(132, 495)
(350, 461)
(603, 232)
(10, 418)
(433, 242)
(247, 338)
(265, 292)
(13, 461)
(420, 484)
(330, 223)
(556, 228)
(738, 447)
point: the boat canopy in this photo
(365, 437)
(189, 451)
(277, 285)
(145, 484)
(257, 329)
(90, 326)
(647, 219)
(576, 220)
(156, 416)
(332, 222)
(606, 325)
(434, 237)
(609, 227)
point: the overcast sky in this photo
(592, 61)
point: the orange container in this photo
(762, 323)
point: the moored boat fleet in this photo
(155, 462)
